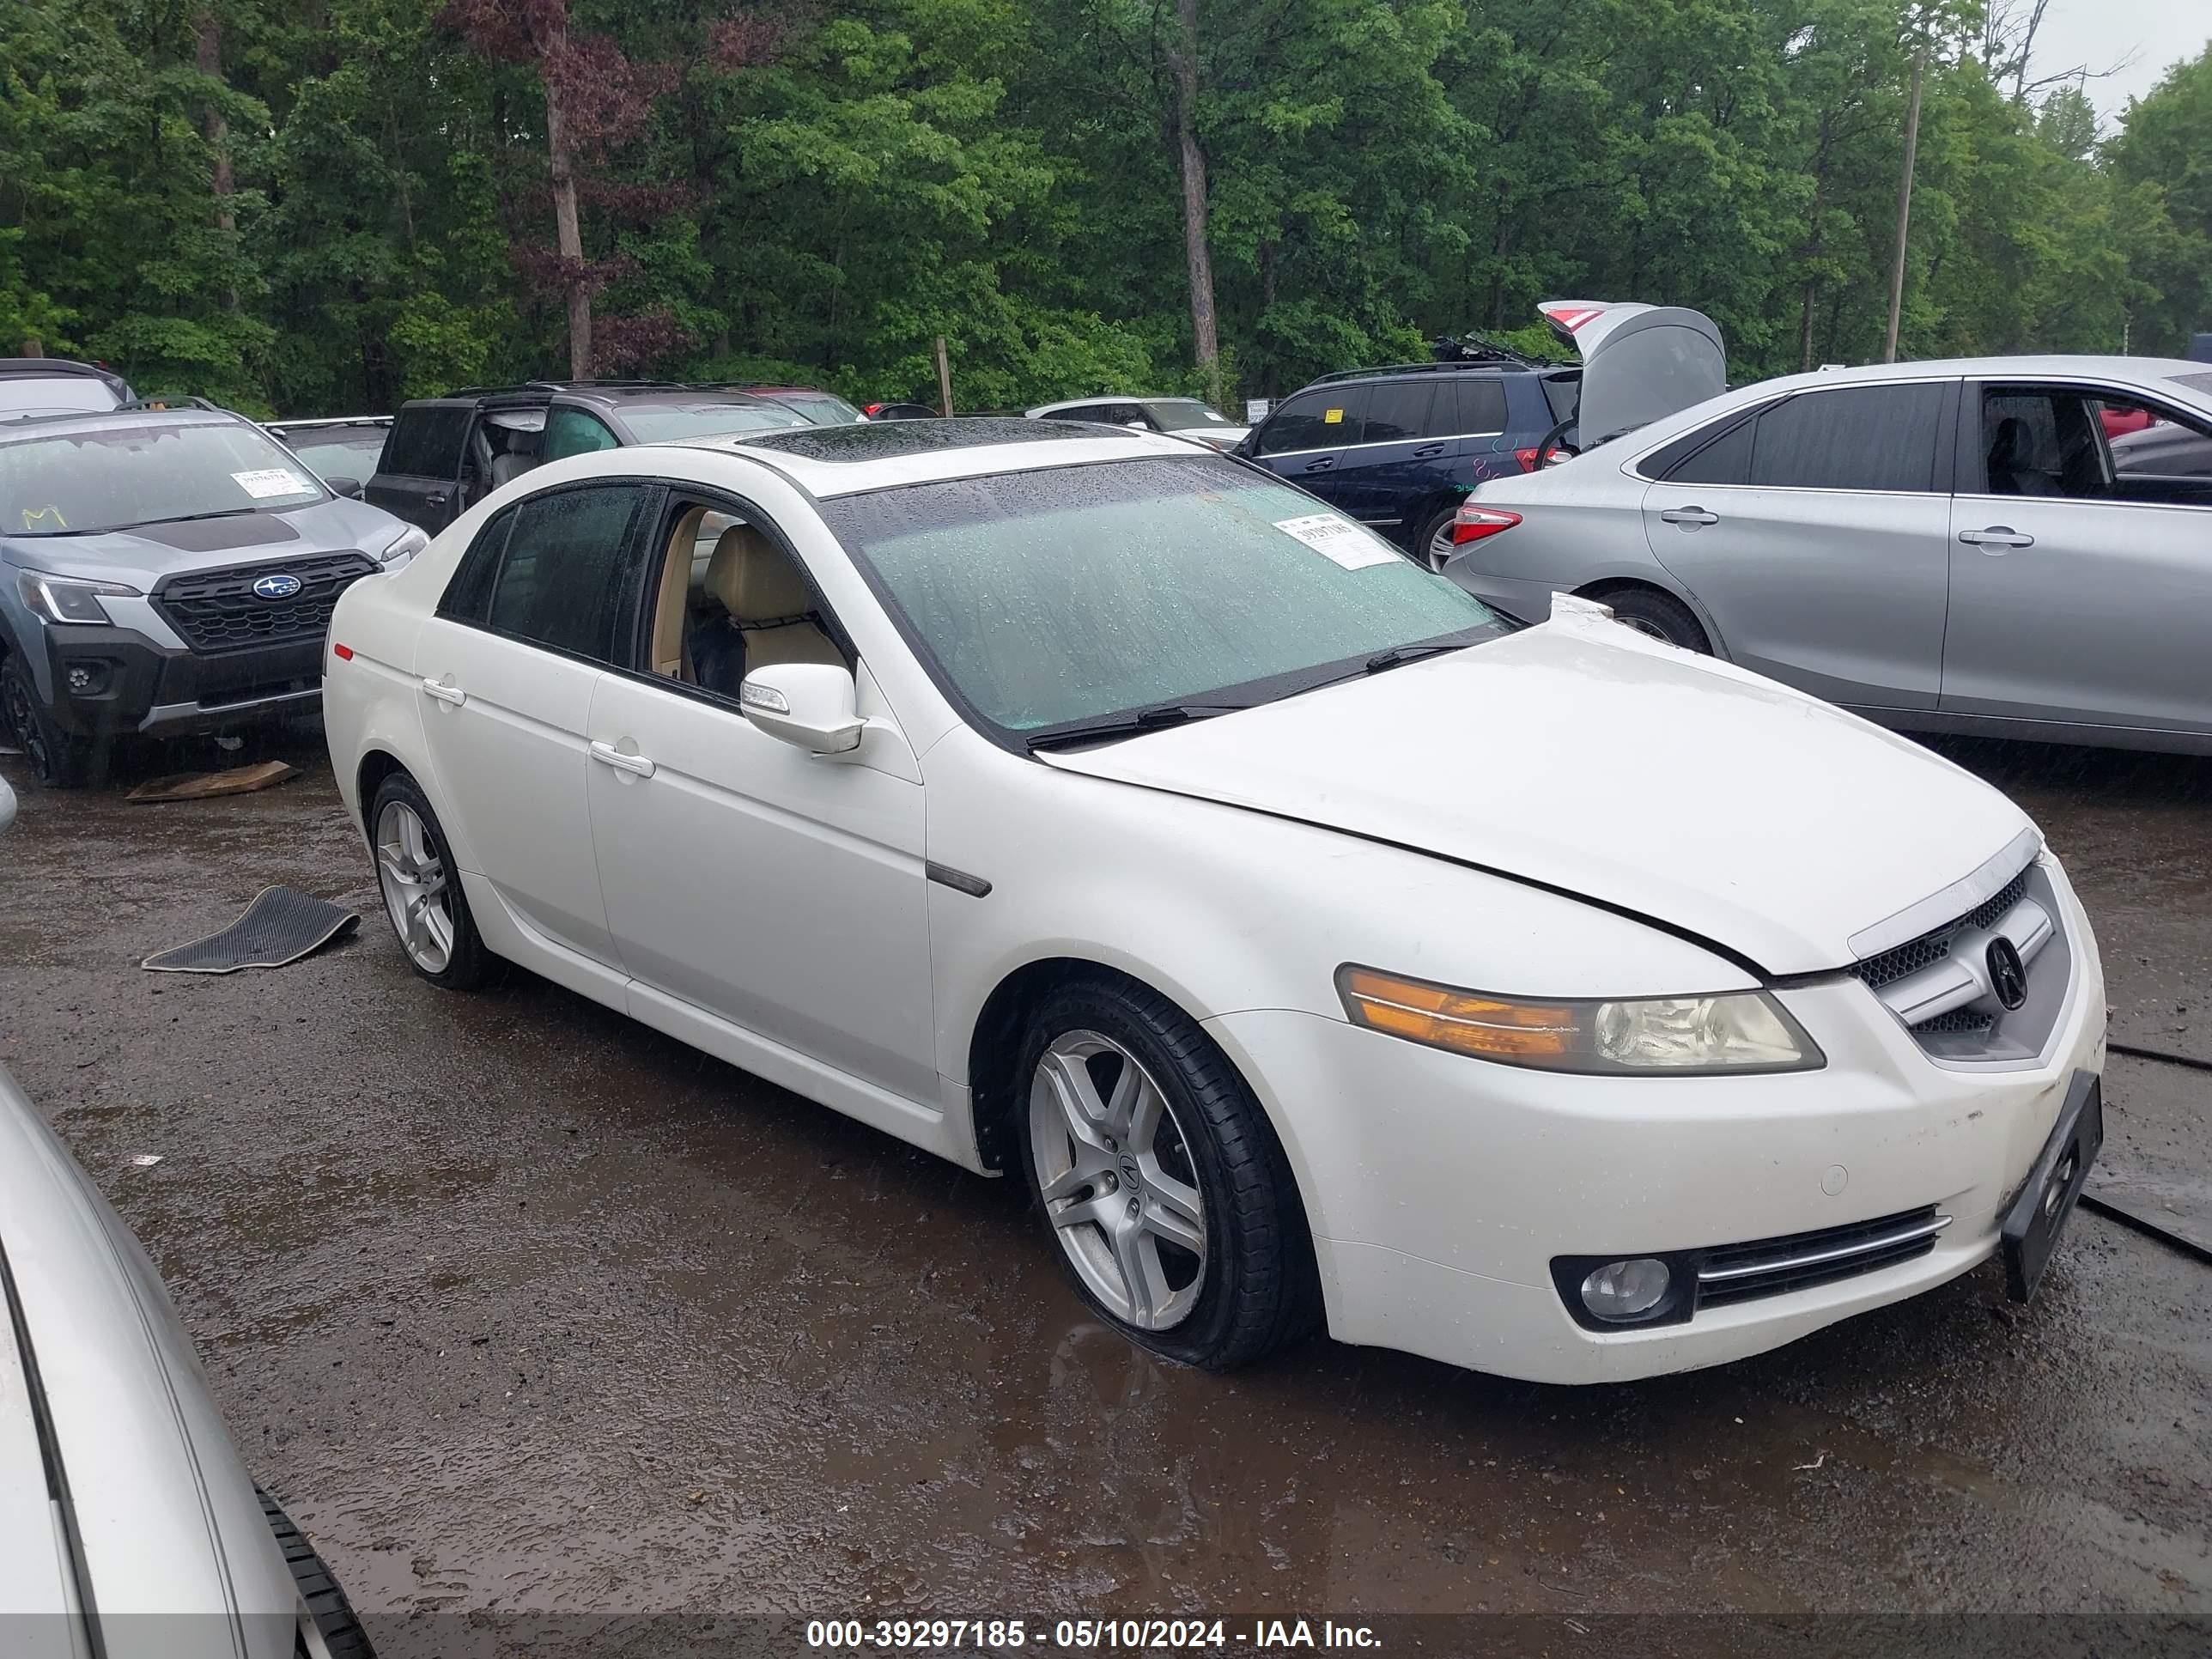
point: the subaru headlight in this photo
(410, 542)
(1734, 1032)
(67, 598)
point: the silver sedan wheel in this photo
(1442, 547)
(1117, 1179)
(413, 878)
(1651, 630)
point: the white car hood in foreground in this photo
(1581, 757)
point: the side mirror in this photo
(7, 807)
(809, 705)
(349, 488)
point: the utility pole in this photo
(1905, 207)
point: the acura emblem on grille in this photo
(2007, 973)
(276, 586)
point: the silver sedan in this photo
(1941, 546)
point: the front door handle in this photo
(444, 693)
(1322, 464)
(1997, 535)
(438, 499)
(1428, 452)
(1689, 515)
(607, 755)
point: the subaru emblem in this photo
(276, 586)
(2007, 973)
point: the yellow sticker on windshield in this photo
(43, 517)
(1332, 417)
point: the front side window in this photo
(110, 478)
(1166, 581)
(2079, 444)
(1861, 437)
(1326, 419)
(573, 432)
(560, 580)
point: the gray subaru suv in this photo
(167, 572)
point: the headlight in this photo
(66, 599)
(1736, 1031)
(411, 540)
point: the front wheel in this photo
(422, 895)
(57, 760)
(1165, 1190)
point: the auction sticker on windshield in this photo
(1339, 540)
(271, 481)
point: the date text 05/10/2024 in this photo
(1254, 1636)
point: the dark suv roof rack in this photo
(180, 400)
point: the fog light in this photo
(86, 679)
(1626, 1290)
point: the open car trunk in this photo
(1640, 363)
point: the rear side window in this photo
(1562, 392)
(561, 578)
(1716, 454)
(573, 432)
(1398, 412)
(426, 442)
(1864, 437)
(1316, 420)
(1478, 407)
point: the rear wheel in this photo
(57, 759)
(1432, 543)
(1662, 615)
(422, 895)
(335, 1620)
(1165, 1192)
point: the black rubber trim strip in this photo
(1688, 935)
(2159, 1054)
(50, 1454)
(2149, 1228)
(958, 880)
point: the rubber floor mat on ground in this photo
(281, 926)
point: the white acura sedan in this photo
(1315, 943)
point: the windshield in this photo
(1180, 414)
(821, 408)
(1071, 593)
(73, 483)
(655, 426)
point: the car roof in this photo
(610, 394)
(847, 460)
(1982, 369)
(100, 420)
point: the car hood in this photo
(140, 557)
(1582, 756)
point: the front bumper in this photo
(137, 685)
(1440, 1188)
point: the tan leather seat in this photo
(769, 601)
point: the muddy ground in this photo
(518, 1305)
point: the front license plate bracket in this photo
(2038, 1213)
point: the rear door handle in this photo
(1997, 535)
(1689, 515)
(1428, 452)
(1322, 464)
(444, 693)
(607, 755)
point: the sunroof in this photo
(877, 441)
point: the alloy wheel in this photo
(1119, 1186)
(413, 878)
(19, 719)
(1648, 627)
(1442, 547)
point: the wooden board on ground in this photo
(199, 786)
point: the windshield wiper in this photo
(189, 518)
(1130, 724)
(1398, 654)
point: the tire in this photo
(57, 760)
(1252, 1287)
(1435, 529)
(327, 1605)
(1662, 615)
(437, 934)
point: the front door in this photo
(2081, 563)
(506, 673)
(1816, 535)
(1310, 436)
(780, 891)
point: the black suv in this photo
(1398, 448)
(446, 454)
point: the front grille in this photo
(1798, 1261)
(218, 610)
(1932, 946)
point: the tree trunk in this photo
(1205, 337)
(207, 58)
(568, 233)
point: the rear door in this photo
(507, 669)
(2081, 566)
(1403, 455)
(418, 476)
(1310, 434)
(1816, 534)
